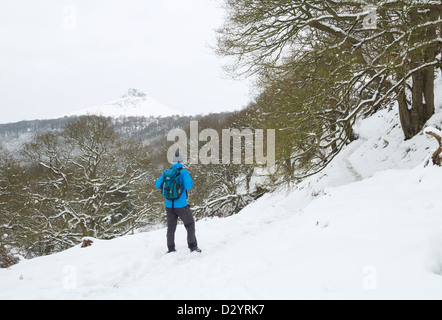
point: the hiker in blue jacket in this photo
(179, 208)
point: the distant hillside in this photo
(144, 128)
(135, 114)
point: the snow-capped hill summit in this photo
(134, 103)
(134, 93)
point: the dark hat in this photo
(177, 157)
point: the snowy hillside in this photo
(133, 103)
(375, 239)
(368, 227)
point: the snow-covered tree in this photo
(14, 207)
(342, 58)
(88, 182)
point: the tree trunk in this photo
(414, 118)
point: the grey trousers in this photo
(185, 214)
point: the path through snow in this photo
(349, 166)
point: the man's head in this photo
(177, 158)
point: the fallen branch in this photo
(438, 136)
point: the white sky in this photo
(61, 56)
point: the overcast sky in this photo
(61, 56)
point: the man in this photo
(179, 208)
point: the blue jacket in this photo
(185, 180)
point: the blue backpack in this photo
(171, 188)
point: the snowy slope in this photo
(382, 144)
(375, 239)
(368, 227)
(133, 103)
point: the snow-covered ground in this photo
(368, 227)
